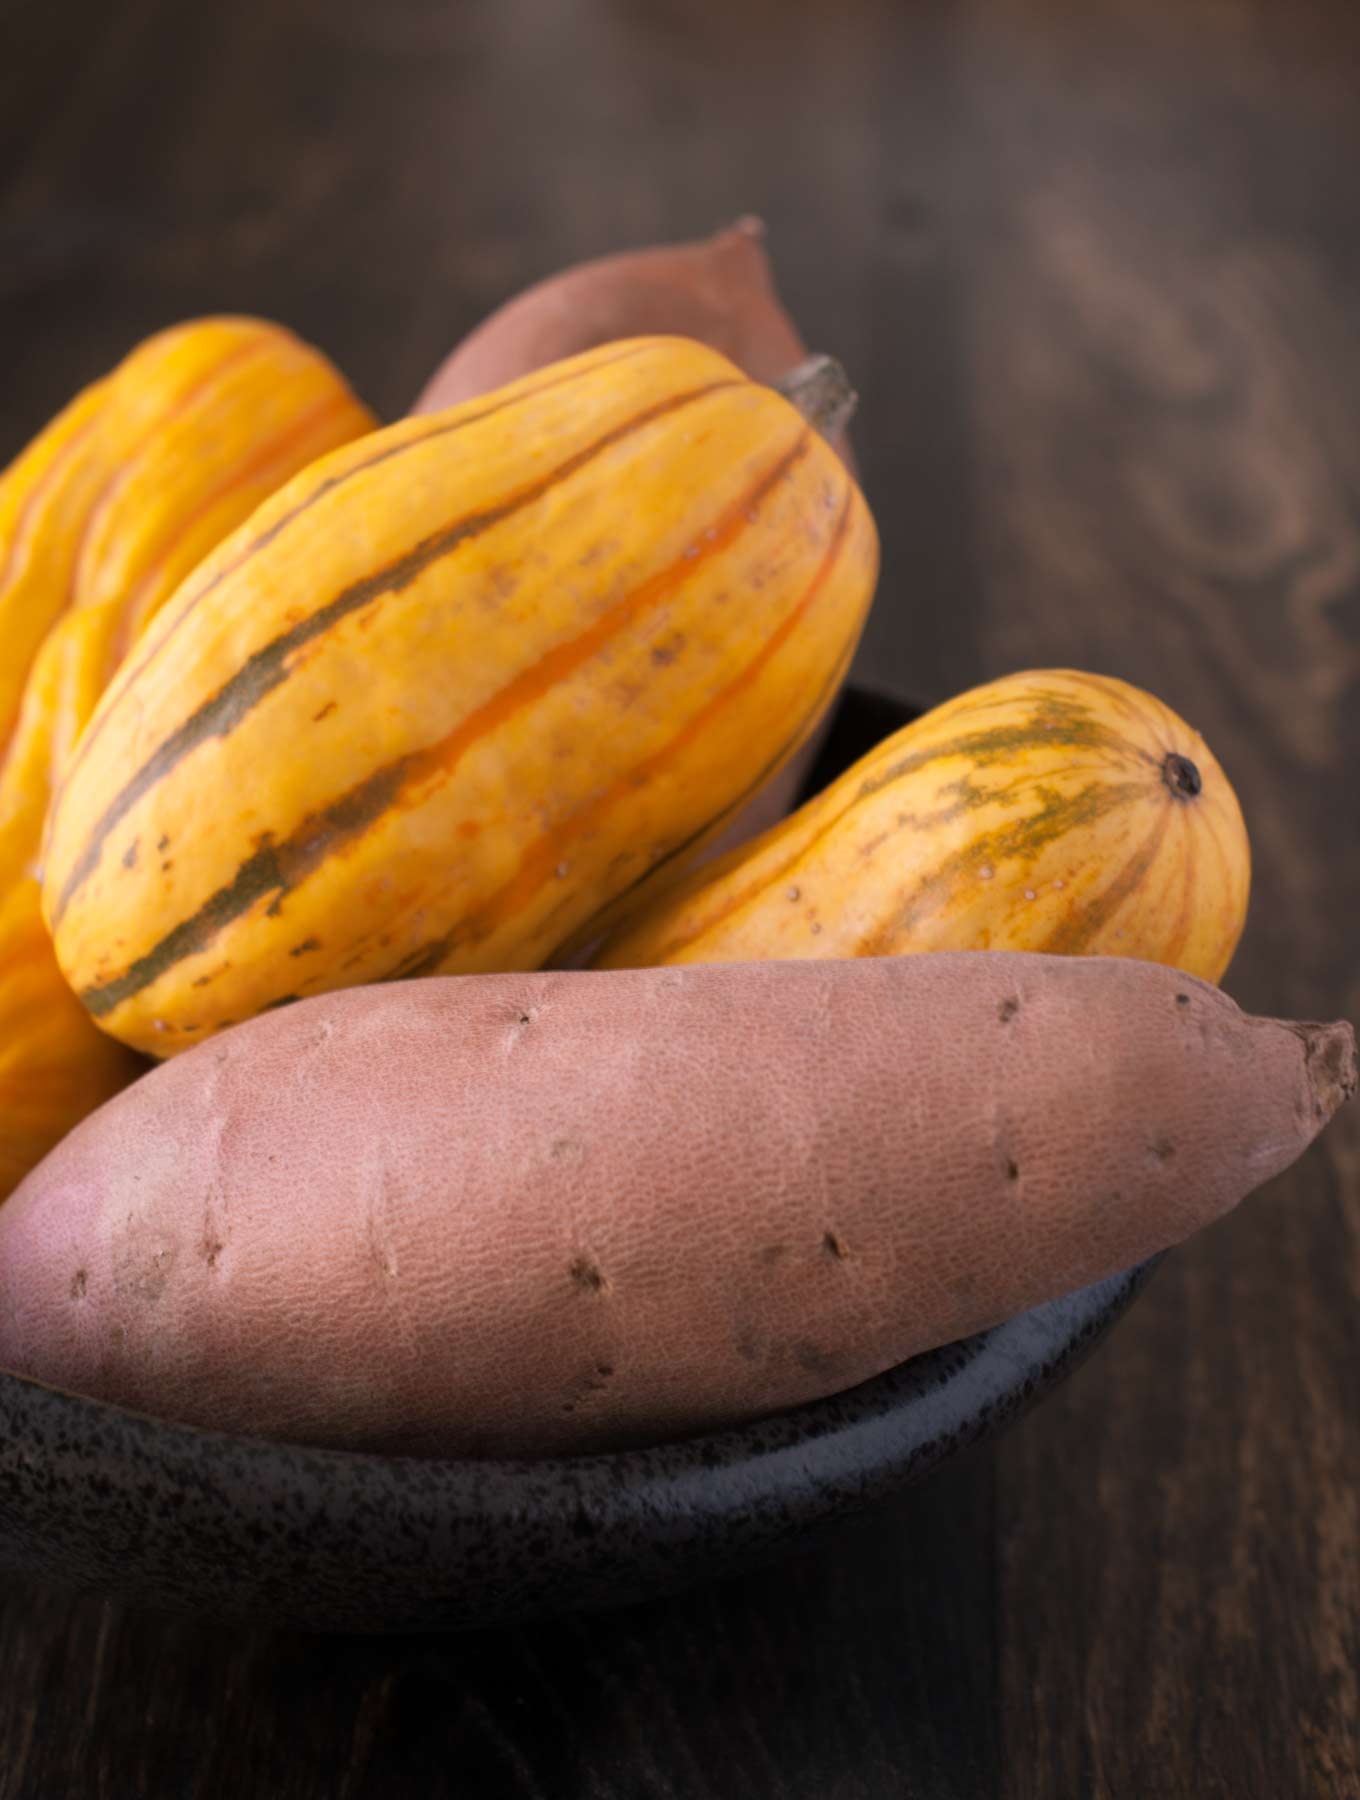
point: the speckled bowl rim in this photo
(102, 1498)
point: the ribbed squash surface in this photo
(101, 517)
(454, 689)
(117, 500)
(55, 1063)
(1050, 811)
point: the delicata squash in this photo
(1051, 810)
(100, 518)
(455, 688)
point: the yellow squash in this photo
(455, 688)
(1050, 811)
(55, 1064)
(117, 500)
(100, 519)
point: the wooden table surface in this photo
(1096, 268)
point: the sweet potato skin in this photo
(532, 1213)
(719, 290)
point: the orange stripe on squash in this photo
(632, 531)
(309, 435)
(100, 518)
(225, 710)
(160, 421)
(976, 827)
(545, 856)
(340, 470)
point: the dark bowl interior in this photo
(99, 1498)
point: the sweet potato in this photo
(719, 290)
(538, 1212)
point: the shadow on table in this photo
(863, 1669)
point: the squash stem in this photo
(821, 390)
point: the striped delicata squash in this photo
(455, 688)
(124, 492)
(1051, 811)
(100, 519)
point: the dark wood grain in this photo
(1097, 272)
(1167, 336)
